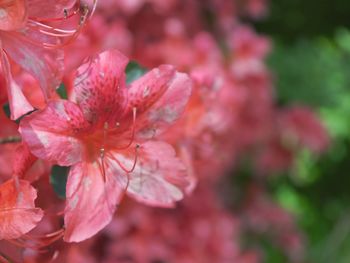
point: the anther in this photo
(134, 162)
(146, 92)
(102, 152)
(134, 112)
(105, 126)
(65, 13)
(84, 16)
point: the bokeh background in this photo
(311, 65)
(273, 183)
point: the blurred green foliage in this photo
(134, 71)
(313, 72)
(311, 65)
(58, 180)
(62, 91)
(316, 72)
(290, 20)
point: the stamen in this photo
(102, 150)
(49, 235)
(134, 163)
(60, 213)
(84, 16)
(70, 35)
(105, 126)
(39, 242)
(102, 156)
(93, 9)
(134, 112)
(66, 34)
(65, 13)
(47, 27)
(54, 213)
(110, 207)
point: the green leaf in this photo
(7, 110)
(133, 71)
(58, 180)
(62, 92)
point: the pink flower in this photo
(257, 8)
(18, 215)
(27, 39)
(107, 133)
(16, 153)
(98, 35)
(301, 126)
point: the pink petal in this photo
(160, 98)
(18, 214)
(19, 105)
(91, 199)
(98, 86)
(16, 253)
(51, 133)
(23, 160)
(159, 177)
(48, 8)
(13, 14)
(45, 65)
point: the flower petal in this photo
(13, 14)
(45, 65)
(91, 199)
(19, 105)
(48, 8)
(159, 177)
(98, 86)
(51, 133)
(18, 214)
(160, 98)
(23, 160)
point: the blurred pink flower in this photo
(18, 214)
(27, 39)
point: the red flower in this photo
(28, 40)
(107, 134)
(18, 214)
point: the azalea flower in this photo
(302, 127)
(18, 214)
(27, 39)
(108, 133)
(151, 235)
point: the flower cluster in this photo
(129, 138)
